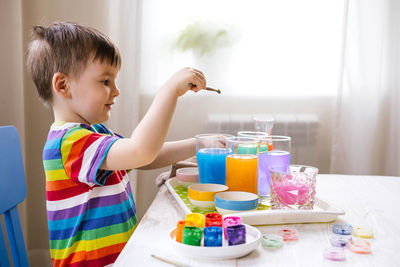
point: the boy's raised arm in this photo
(147, 139)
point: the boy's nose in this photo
(116, 91)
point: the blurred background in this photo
(326, 71)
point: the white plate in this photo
(253, 239)
(322, 212)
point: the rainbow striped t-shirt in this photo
(91, 212)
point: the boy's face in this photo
(94, 92)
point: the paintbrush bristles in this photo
(214, 90)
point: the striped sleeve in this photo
(83, 152)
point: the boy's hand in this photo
(218, 141)
(186, 79)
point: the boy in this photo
(90, 207)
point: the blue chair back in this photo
(12, 192)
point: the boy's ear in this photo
(60, 84)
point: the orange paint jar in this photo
(179, 229)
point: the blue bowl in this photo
(235, 201)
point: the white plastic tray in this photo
(322, 212)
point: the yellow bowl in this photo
(205, 192)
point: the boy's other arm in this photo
(145, 143)
(172, 152)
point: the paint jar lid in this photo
(342, 228)
(289, 234)
(363, 232)
(272, 241)
(339, 240)
(360, 246)
(334, 254)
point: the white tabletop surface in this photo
(367, 200)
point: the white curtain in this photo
(124, 29)
(367, 131)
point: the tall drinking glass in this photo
(278, 155)
(263, 123)
(211, 152)
(258, 135)
(241, 166)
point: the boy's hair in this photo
(66, 48)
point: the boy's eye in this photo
(106, 82)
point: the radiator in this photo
(302, 128)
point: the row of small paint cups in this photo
(190, 231)
(342, 238)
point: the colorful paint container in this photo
(192, 235)
(360, 246)
(187, 176)
(339, 240)
(272, 241)
(235, 201)
(230, 221)
(202, 195)
(213, 236)
(236, 234)
(289, 234)
(363, 232)
(213, 219)
(179, 229)
(342, 228)
(334, 254)
(196, 218)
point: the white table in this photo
(372, 200)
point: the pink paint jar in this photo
(230, 221)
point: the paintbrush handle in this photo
(169, 261)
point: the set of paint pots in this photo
(342, 238)
(214, 237)
(214, 227)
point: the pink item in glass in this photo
(230, 221)
(293, 188)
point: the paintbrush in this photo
(207, 88)
(178, 264)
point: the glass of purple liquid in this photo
(274, 151)
(294, 187)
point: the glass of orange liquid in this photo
(242, 165)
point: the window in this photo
(287, 47)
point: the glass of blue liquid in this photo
(211, 152)
(277, 155)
